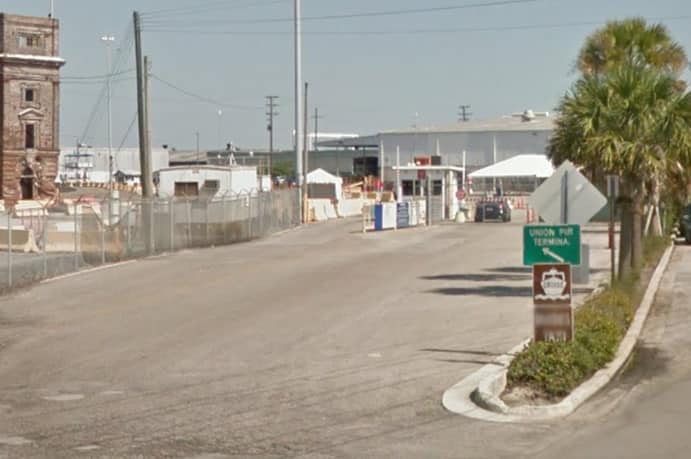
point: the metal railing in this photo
(38, 244)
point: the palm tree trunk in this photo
(656, 223)
(637, 233)
(625, 236)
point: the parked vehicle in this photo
(498, 210)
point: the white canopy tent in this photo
(321, 176)
(538, 166)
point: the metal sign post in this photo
(612, 193)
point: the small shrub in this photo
(555, 369)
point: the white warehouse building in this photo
(485, 142)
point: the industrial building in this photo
(469, 144)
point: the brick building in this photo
(29, 105)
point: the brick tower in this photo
(29, 105)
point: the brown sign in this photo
(552, 298)
(553, 322)
(552, 283)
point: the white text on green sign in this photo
(551, 243)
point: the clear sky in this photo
(366, 74)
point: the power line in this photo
(121, 59)
(203, 8)
(523, 27)
(95, 82)
(95, 77)
(399, 12)
(125, 137)
(203, 98)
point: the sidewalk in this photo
(652, 419)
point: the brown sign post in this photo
(552, 299)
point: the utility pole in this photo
(144, 144)
(108, 39)
(316, 117)
(298, 98)
(306, 154)
(464, 113)
(147, 172)
(271, 112)
(142, 112)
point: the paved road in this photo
(320, 342)
(651, 418)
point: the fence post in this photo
(76, 239)
(152, 229)
(249, 216)
(259, 214)
(103, 233)
(188, 211)
(128, 229)
(225, 221)
(44, 236)
(207, 204)
(9, 247)
(171, 208)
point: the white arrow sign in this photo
(549, 253)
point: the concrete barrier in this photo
(22, 240)
(349, 207)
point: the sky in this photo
(214, 61)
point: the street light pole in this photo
(297, 32)
(108, 39)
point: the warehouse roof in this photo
(504, 123)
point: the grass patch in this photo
(554, 369)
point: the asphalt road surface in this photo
(319, 342)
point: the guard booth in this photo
(437, 184)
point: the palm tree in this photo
(631, 121)
(631, 42)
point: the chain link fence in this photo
(39, 244)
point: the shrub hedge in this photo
(554, 369)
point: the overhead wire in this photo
(330, 17)
(94, 77)
(122, 58)
(204, 98)
(519, 27)
(124, 139)
(205, 8)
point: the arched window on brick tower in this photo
(26, 183)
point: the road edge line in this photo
(87, 271)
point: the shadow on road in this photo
(512, 269)
(645, 363)
(461, 351)
(475, 362)
(499, 291)
(487, 290)
(478, 277)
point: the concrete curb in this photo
(478, 395)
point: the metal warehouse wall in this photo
(478, 146)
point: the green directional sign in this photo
(551, 244)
